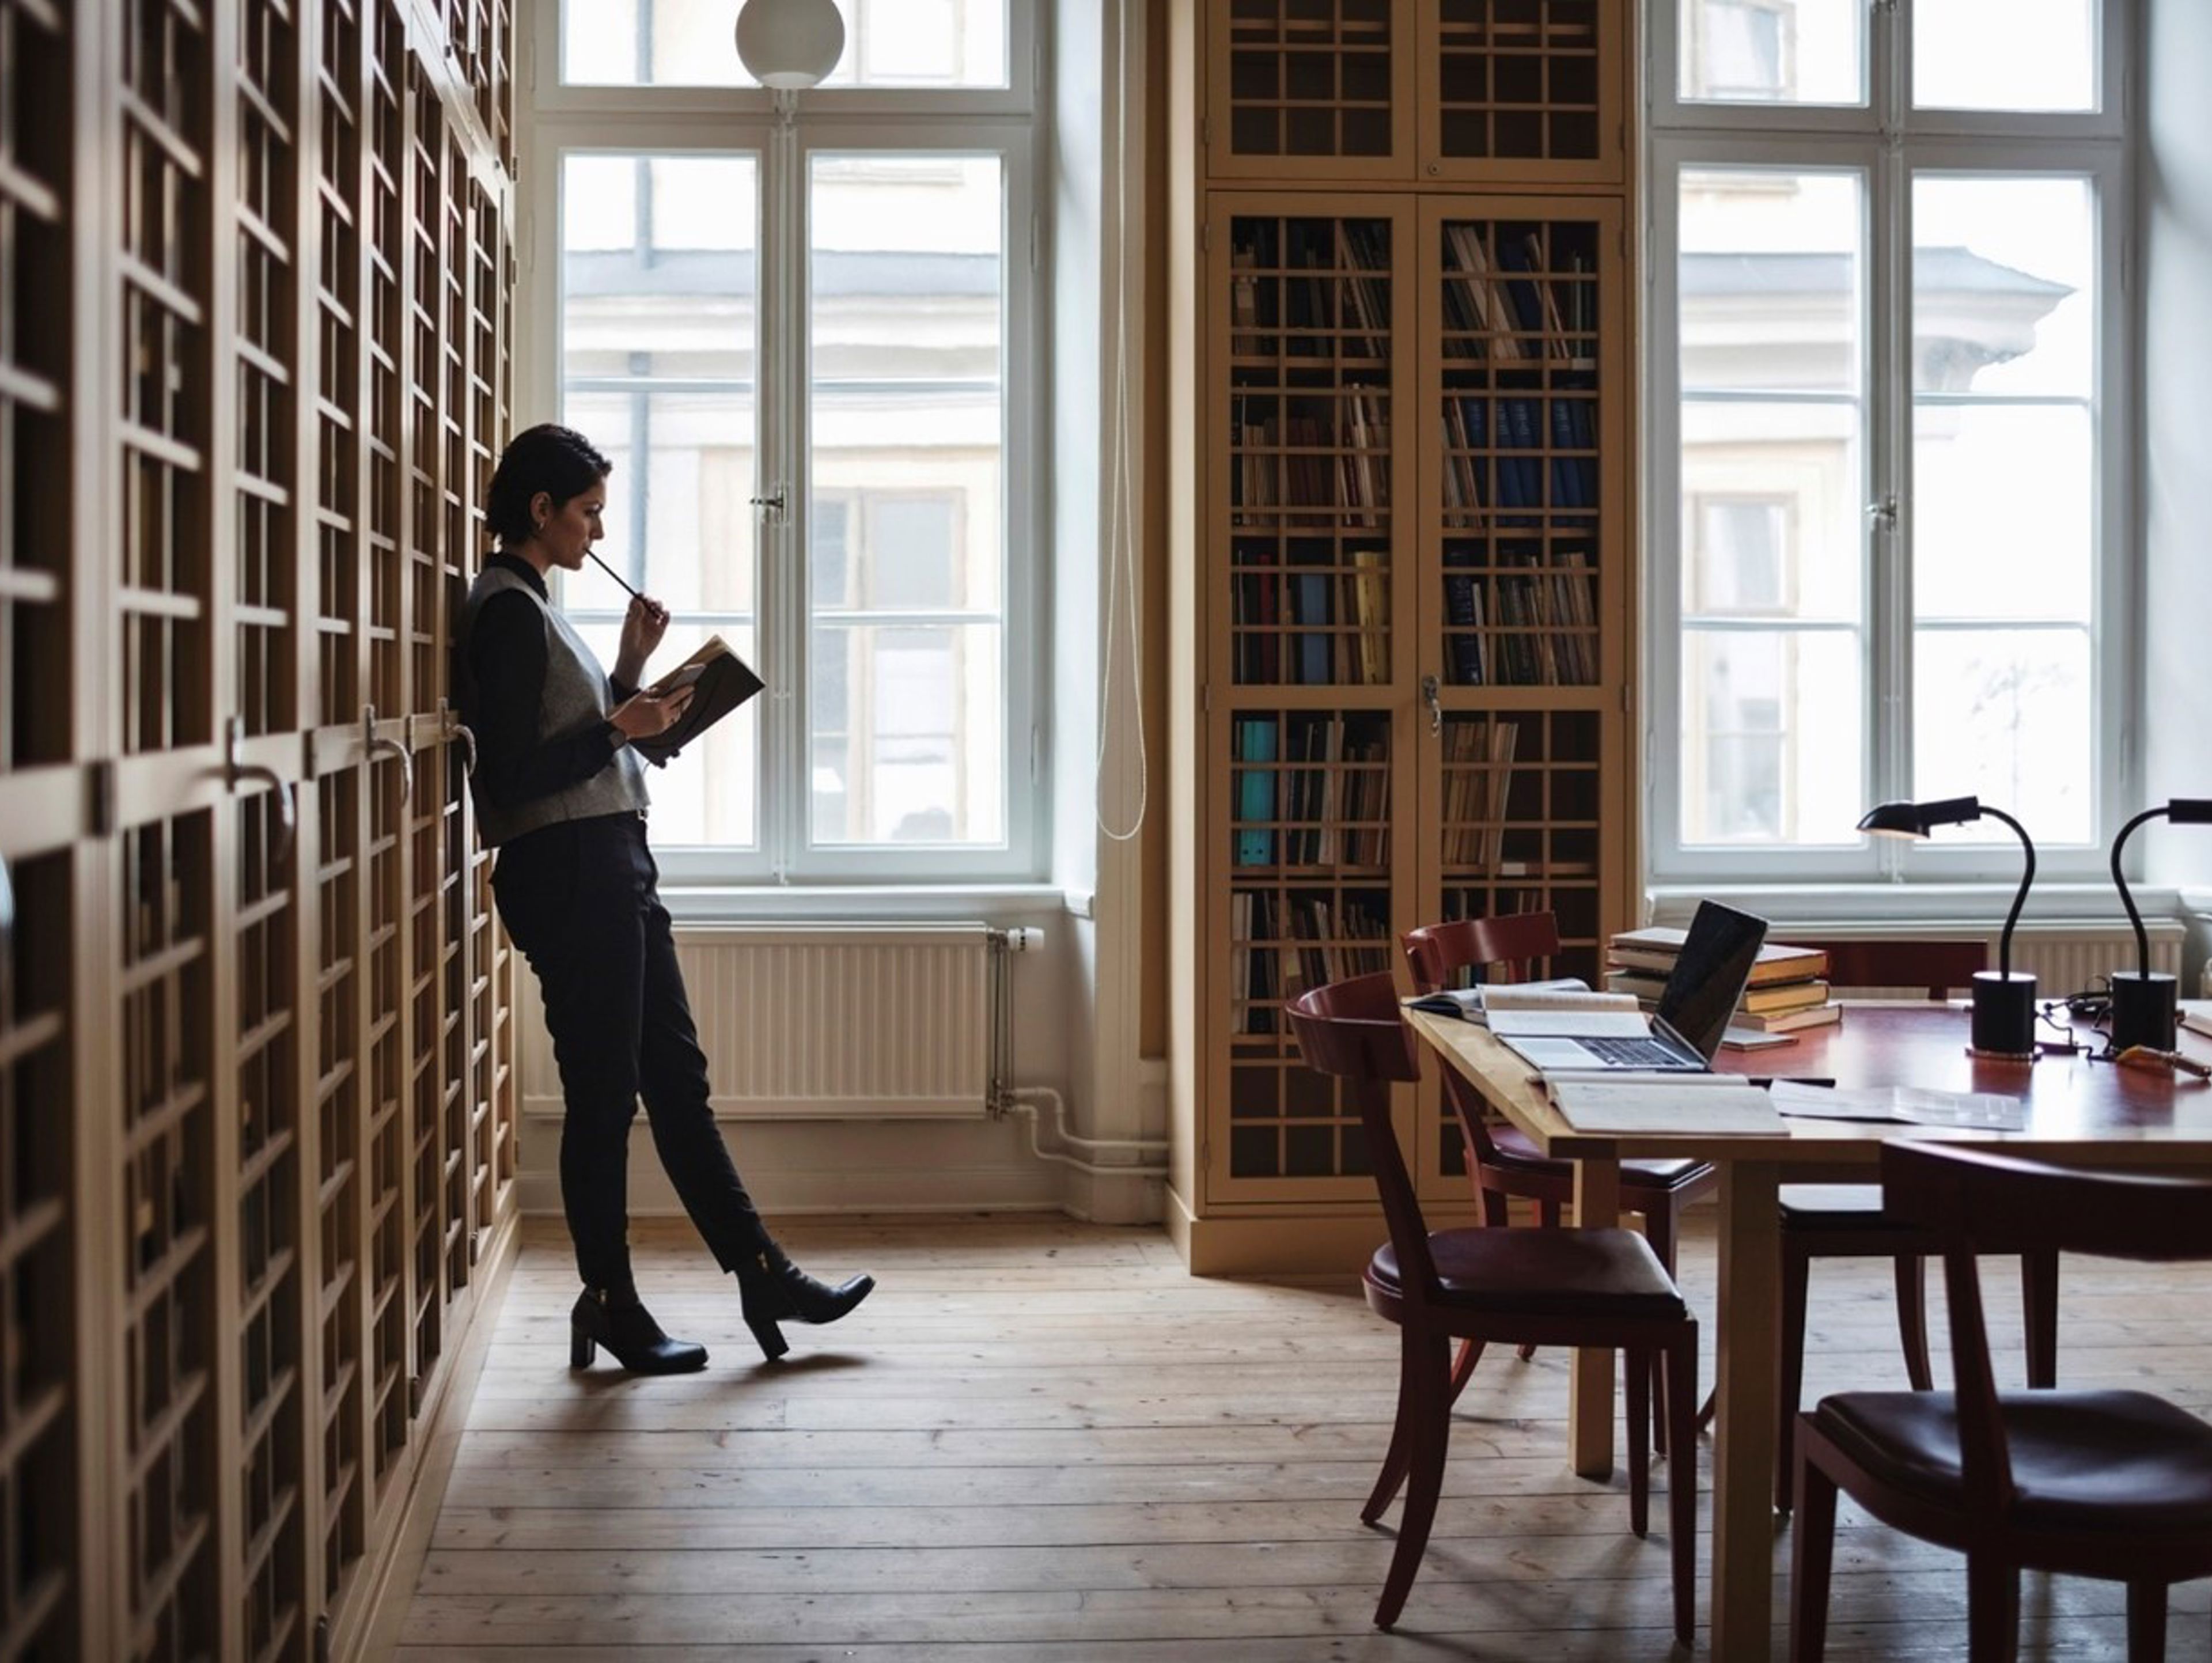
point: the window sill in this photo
(1962, 906)
(826, 903)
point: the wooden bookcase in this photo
(1401, 623)
(257, 1115)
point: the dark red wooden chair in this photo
(1502, 1162)
(2113, 1484)
(1848, 1220)
(1548, 1286)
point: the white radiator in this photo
(2063, 958)
(828, 1022)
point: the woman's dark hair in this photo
(556, 460)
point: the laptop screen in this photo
(1710, 974)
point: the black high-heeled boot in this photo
(626, 1328)
(775, 1291)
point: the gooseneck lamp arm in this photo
(2120, 882)
(2019, 897)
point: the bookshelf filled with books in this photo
(1401, 569)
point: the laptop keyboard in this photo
(1634, 1053)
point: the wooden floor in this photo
(1041, 1442)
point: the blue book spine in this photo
(1256, 793)
(1313, 643)
(1519, 423)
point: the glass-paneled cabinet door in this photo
(1309, 89)
(1526, 91)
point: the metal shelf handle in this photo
(376, 745)
(236, 772)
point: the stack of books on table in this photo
(1788, 990)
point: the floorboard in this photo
(1041, 1442)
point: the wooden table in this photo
(2082, 1112)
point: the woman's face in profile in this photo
(568, 532)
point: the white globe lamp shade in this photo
(790, 44)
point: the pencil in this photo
(616, 575)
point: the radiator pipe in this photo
(1025, 1100)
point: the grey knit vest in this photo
(576, 698)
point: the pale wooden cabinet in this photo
(1404, 606)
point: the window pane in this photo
(1773, 495)
(899, 716)
(2005, 54)
(1773, 51)
(2008, 716)
(907, 321)
(693, 43)
(657, 352)
(1986, 544)
(2004, 285)
(1772, 280)
(1771, 737)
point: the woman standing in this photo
(562, 795)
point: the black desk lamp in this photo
(2004, 1003)
(2142, 1003)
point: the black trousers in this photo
(580, 900)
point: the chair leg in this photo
(1912, 1320)
(1992, 1610)
(2146, 1622)
(1428, 1435)
(1638, 1366)
(2039, 1289)
(1394, 1459)
(1547, 1217)
(1682, 1481)
(1789, 1364)
(1470, 1353)
(1659, 1231)
(1811, 1553)
(1497, 1210)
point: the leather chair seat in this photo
(2123, 1461)
(1544, 1273)
(1516, 1147)
(1835, 1207)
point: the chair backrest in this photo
(1937, 966)
(1351, 1029)
(1974, 1203)
(1436, 951)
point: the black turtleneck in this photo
(506, 663)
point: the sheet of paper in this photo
(1525, 997)
(1905, 1105)
(1645, 1107)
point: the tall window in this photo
(805, 339)
(1889, 490)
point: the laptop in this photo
(1680, 1037)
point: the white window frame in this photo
(555, 121)
(1885, 142)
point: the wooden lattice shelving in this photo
(254, 260)
(1409, 604)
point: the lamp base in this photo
(2143, 1009)
(2004, 1014)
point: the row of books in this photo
(1306, 462)
(1788, 989)
(1494, 453)
(1523, 629)
(1280, 944)
(1478, 783)
(1311, 626)
(1349, 294)
(1501, 301)
(1291, 813)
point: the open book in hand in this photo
(720, 682)
(1561, 993)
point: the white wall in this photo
(2177, 482)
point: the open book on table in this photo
(1697, 1105)
(720, 682)
(1561, 993)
